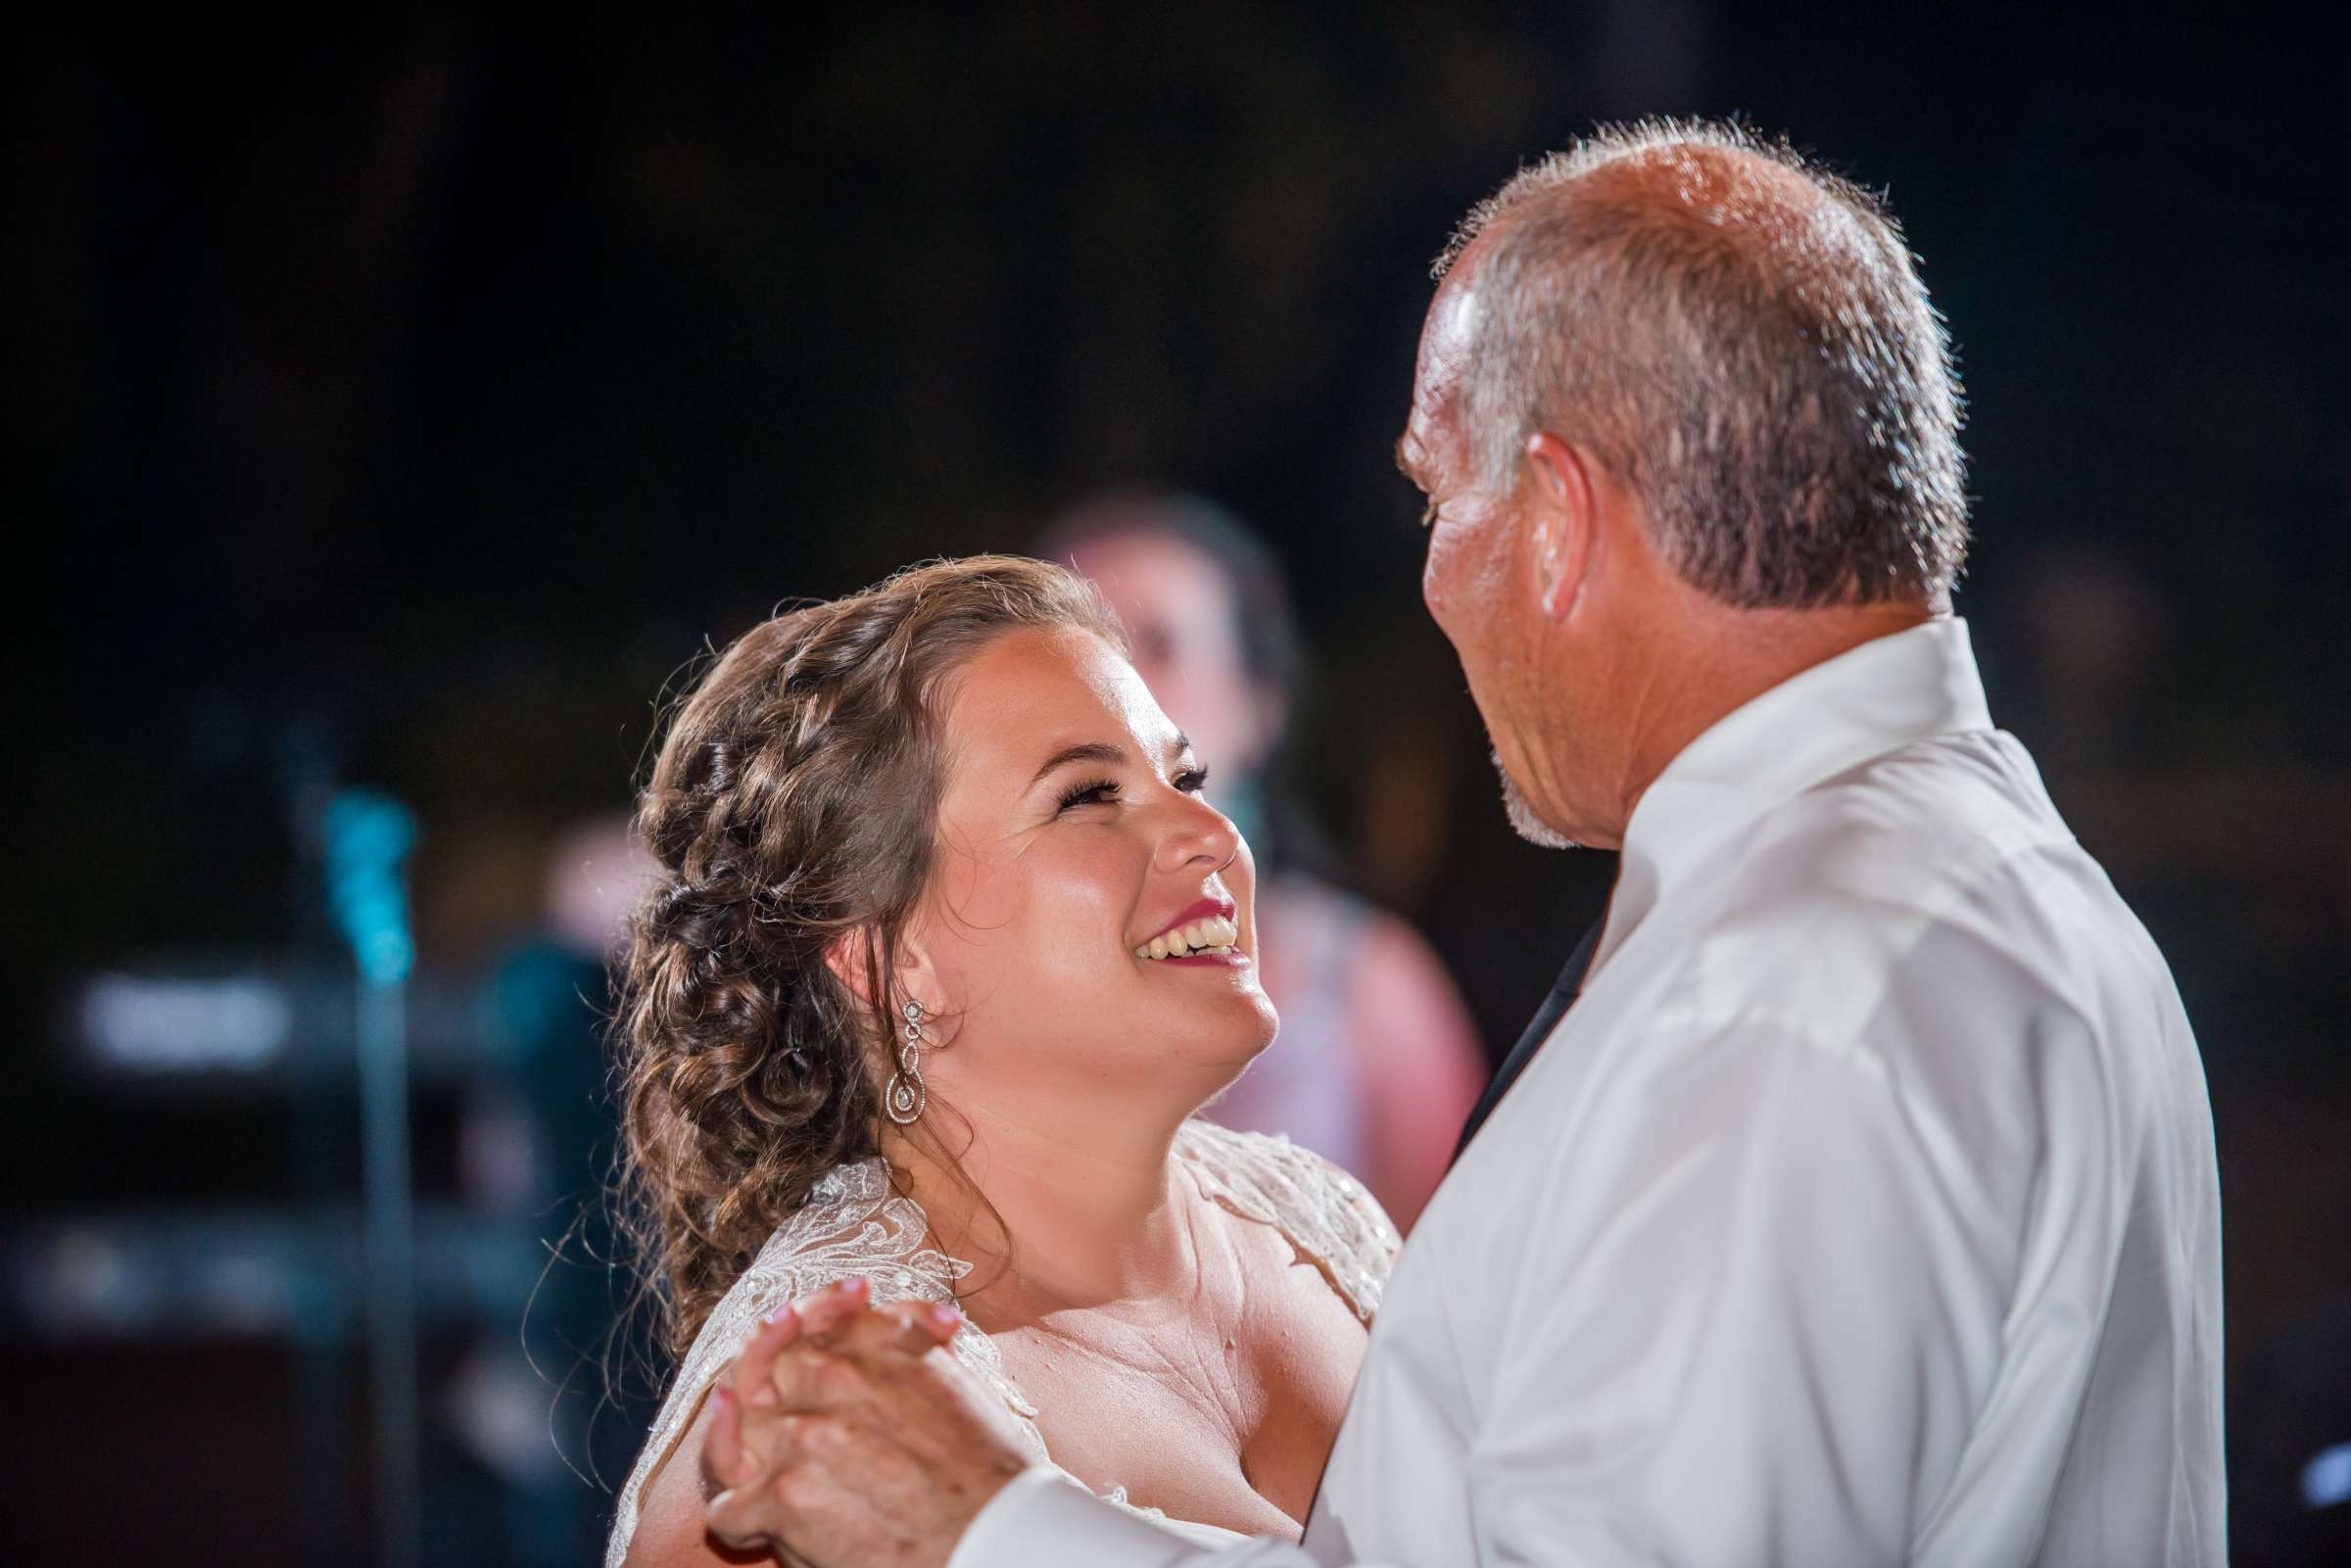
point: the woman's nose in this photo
(1199, 834)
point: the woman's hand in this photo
(848, 1434)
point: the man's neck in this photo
(1737, 657)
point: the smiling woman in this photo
(949, 946)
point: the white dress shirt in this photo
(1863, 1210)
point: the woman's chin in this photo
(1264, 1026)
(1228, 1054)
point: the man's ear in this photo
(1564, 519)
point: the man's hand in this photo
(848, 1435)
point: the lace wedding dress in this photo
(855, 1224)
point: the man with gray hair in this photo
(1862, 1210)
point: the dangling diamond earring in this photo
(903, 1101)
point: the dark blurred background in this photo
(400, 403)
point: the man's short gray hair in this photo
(1740, 337)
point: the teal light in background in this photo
(368, 838)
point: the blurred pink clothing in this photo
(1309, 1084)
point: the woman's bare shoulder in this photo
(1325, 1211)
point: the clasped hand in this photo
(846, 1433)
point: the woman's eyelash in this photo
(1101, 792)
(1097, 791)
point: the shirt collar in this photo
(1863, 703)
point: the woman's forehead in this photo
(1034, 692)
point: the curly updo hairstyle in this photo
(794, 800)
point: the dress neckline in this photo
(856, 1223)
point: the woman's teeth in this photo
(1214, 934)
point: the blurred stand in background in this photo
(1377, 1064)
(259, 1307)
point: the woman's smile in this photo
(1203, 933)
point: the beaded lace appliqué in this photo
(1325, 1212)
(855, 1224)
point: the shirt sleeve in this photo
(1755, 1336)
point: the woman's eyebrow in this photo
(1084, 751)
(1103, 752)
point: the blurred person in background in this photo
(1377, 1062)
(553, 1411)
